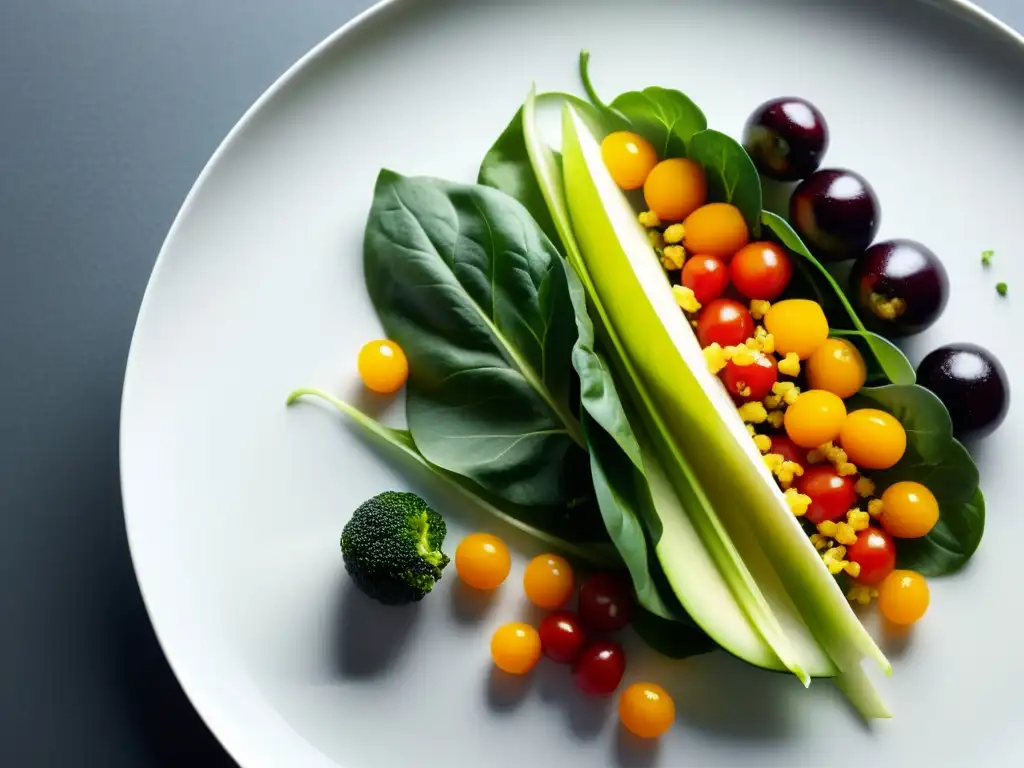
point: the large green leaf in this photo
(665, 117)
(938, 461)
(731, 175)
(884, 356)
(466, 282)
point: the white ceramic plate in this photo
(234, 504)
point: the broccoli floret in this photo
(392, 547)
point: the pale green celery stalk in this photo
(401, 440)
(729, 593)
(695, 407)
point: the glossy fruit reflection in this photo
(561, 636)
(900, 287)
(832, 495)
(836, 212)
(751, 382)
(786, 138)
(599, 668)
(971, 383)
(875, 553)
(725, 322)
(606, 602)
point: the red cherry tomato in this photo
(788, 450)
(606, 602)
(706, 276)
(761, 271)
(875, 553)
(725, 322)
(561, 636)
(751, 382)
(599, 668)
(831, 494)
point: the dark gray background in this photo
(108, 111)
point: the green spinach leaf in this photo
(506, 167)
(466, 282)
(544, 524)
(938, 461)
(665, 117)
(731, 174)
(885, 356)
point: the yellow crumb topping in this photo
(685, 299)
(672, 257)
(674, 233)
(759, 308)
(649, 219)
(790, 365)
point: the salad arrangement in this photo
(617, 349)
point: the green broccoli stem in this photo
(402, 441)
(431, 555)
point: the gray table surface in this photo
(108, 111)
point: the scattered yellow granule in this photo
(782, 387)
(768, 344)
(773, 461)
(875, 508)
(852, 569)
(750, 429)
(715, 357)
(820, 542)
(788, 471)
(859, 593)
(798, 502)
(828, 528)
(859, 520)
(776, 419)
(790, 397)
(753, 344)
(763, 442)
(674, 233)
(753, 412)
(790, 365)
(845, 534)
(887, 309)
(771, 402)
(672, 257)
(655, 238)
(759, 308)
(685, 299)
(846, 469)
(741, 355)
(649, 219)
(864, 487)
(833, 559)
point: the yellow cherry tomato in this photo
(903, 597)
(816, 417)
(515, 648)
(548, 581)
(383, 366)
(675, 188)
(646, 710)
(629, 158)
(909, 510)
(797, 325)
(837, 366)
(873, 439)
(482, 561)
(715, 229)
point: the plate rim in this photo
(967, 10)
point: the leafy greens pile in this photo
(520, 393)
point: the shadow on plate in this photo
(469, 606)
(634, 752)
(368, 636)
(584, 716)
(506, 692)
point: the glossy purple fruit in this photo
(836, 213)
(971, 383)
(900, 287)
(786, 138)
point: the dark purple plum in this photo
(971, 383)
(786, 138)
(900, 287)
(836, 213)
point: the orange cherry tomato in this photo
(903, 597)
(675, 188)
(909, 510)
(482, 561)
(646, 710)
(382, 366)
(515, 648)
(760, 270)
(629, 158)
(873, 439)
(548, 581)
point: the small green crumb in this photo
(1001, 289)
(986, 257)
